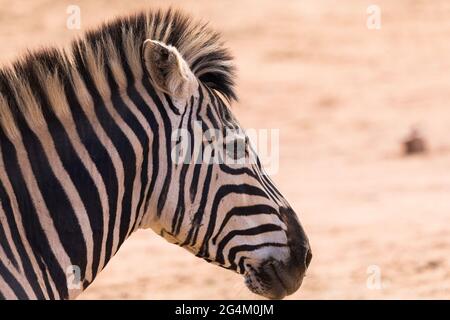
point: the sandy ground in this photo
(343, 97)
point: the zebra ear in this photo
(170, 73)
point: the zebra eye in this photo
(236, 149)
(210, 137)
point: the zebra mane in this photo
(113, 47)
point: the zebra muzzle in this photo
(274, 279)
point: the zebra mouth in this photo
(269, 280)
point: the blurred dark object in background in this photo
(414, 143)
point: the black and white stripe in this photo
(85, 160)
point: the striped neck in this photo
(85, 148)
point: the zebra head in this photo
(215, 198)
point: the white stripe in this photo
(16, 273)
(88, 107)
(43, 214)
(6, 290)
(18, 218)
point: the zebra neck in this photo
(122, 133)
(74, 189)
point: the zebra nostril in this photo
(308, 257)
(300, 260)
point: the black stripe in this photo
(46, 279)
(60, 209)
(198, 162)
(177, 219)
(221, 193)
(101, 159)
(241, 264)
(270, 183)
(130, 119)
(79, 175)
(214, 105)
(154, 126)
(265, 181)
(245, 232)
(198, 216)
(247, 247)
(83, 183)
(12, 282)
(33, 230)
(244, 211)
(122, 145)
(167, 131)
(140, 104)
(238, 171)
(26, 263)
(171, 105)
(5, 245)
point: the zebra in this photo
(86, 159)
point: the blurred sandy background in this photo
(344, 97)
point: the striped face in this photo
(220, 204)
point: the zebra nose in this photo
(300, 250)
(296, 266)
(283, 278)
(275, 278)
(301, 257)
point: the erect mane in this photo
(115, 43)
(199, 45)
